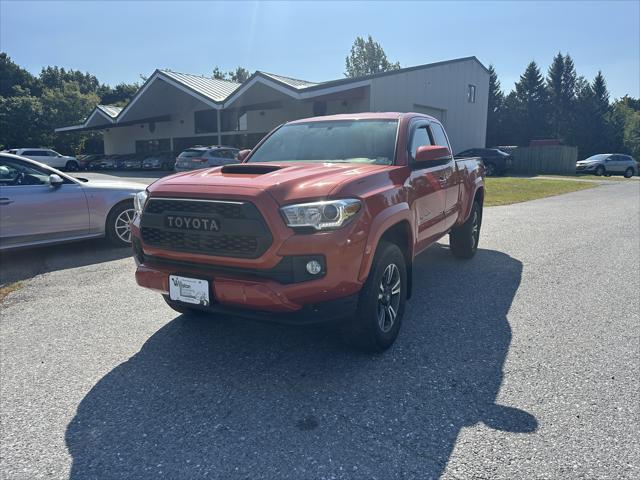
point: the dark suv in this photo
(496, 162)
(203, 157)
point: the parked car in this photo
(608, 164)
(85, 161)
(321, 222)
(133, 162)
(204, 157)
(160, 161)
(113, 162)
(496, 162)
(41, 205)
(48, 157)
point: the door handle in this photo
(5, 201)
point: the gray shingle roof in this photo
(111, 110)
(292, 82)
(213, 89)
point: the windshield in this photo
(349, 141)
(600, 156)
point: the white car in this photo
(48, 157)
(608, 164)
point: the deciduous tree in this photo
(367, 57)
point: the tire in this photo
(72, 166)
(117, 232)
(465, 238)
(374, 327)
(179, 307)
(600, 171)
(628, 173)
(489, 169)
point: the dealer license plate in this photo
(189, 290)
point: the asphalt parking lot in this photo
(521, 363)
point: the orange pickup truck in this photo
(321, 221)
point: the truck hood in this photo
(285, 182)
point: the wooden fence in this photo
(556, 159)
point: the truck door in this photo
(427, 196)
(449, 177)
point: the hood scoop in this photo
(249, 169)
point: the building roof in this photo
(221, 93)
(292, 82)
(212, 88)
(111, 110)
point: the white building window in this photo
(471, 94)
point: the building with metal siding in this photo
(175, 110)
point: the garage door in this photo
(438, 113)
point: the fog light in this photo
(314, 267)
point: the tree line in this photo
(563, 106)
(32, 107)
(560, 105)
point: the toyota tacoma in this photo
(321, 221)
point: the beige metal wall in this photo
(122, 140)
(440, 91)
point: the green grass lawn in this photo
(507, 190)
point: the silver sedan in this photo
(40, 205)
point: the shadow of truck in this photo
(222, 398)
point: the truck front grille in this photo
(242, 231)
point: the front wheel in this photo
(118, 227)
(381, 302)
(628, 173)
(464, 239)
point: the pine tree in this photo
(555, 93)
(496, 100)
(531, 96)
(601, 94)
(568, 100)
(585, 131)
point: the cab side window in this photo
(439, 137)
(420, 138)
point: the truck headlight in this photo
(327, 215)
(139, 200)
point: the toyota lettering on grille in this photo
(184, 222)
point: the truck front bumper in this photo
(282, 290)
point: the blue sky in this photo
(119, 40)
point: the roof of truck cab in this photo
(362, 116)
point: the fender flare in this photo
(381, 223)
(478, 185)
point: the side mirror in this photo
(55, 180)
(432, 153)
(243, 154)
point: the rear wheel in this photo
(628, 173)
(381, 302)
(600, 170)
(118, 227)
(464, 239)
(72, 166)
(489, 169)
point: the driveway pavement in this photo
(521, 363)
